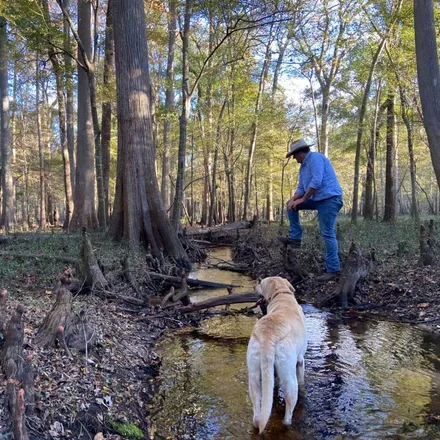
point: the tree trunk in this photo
(169, 106)
(84, 214)
(183, 122)
(370, 175)
(107, 108)
(63, 139)
(69, 99)
(213, 217)
(42, 194)
(138, 214)
(390, 193)
(410, 141)
(428, 74)
(360, 131)
(323, 134)
(7, 220)
(254, 129)
(62, 118)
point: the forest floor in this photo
(108, 389)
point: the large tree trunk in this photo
(183, 122)
(390, 193)
(84, 214)
(325, 106)
(107, 107)
(69, 99)
(138, 214)
(7, 219)
(428, 74)
(169, 106)
(360, 131)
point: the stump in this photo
(13, 347)
(79, 333)
(59, 315)
(89, 267)
(426, 248)
(3, 319)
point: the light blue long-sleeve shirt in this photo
(318, 173)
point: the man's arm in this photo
(317, 166)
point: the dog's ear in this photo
(291, 288)
(258, 288)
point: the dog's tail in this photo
(267, 383)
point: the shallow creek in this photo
(364, 379)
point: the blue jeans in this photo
(327, 212)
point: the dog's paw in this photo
(255, 422)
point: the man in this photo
(319, 189)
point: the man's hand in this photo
(294, 202)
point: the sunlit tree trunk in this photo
(42, 215)
(390, 192)
(254, 128)
(7, 219)
(371, 158)
(169, 105)
(183, 121)
(360, 131)
(106, 125)
(84, 213)
(428, 74)
(69, 99)
(410, 141)
(139, 215)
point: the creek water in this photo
(364, 379)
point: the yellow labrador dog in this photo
(278, 342)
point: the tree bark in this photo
(410, 141)
(360, 131)
(371, 158)
(254, 129)
(428, 74)
(7, 219)
(84, 213)
(106, 124)
(390, 193)
(169, 106)
(42, 194)
(69, 99)
(139, 215)
(183, 120)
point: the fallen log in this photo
(192, 282)
(219, 229)
(236, 298)
(239, 298)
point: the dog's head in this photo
(271, 287)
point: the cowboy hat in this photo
(296, 146)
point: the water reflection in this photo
(364, 380)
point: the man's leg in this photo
(327, 213)
(295, 231)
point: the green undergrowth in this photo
(400, 238)
(18, 269)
